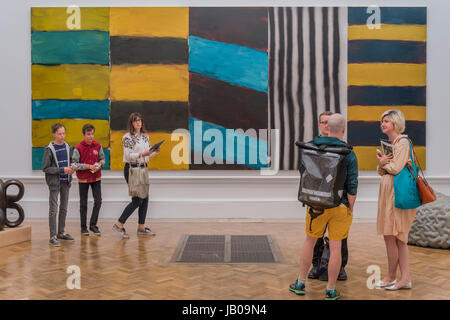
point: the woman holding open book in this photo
(136, 153)
(394, 223)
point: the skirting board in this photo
(200, 209)
(198, 197)
(10, 236)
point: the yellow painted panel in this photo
(373, 113)
(117, 150)
(367, 157)
(57, 19)
(386, 74)
(161, 161)
(42, 132)
(150, 82)
(388, 32)
(69, 81)
(150, 22)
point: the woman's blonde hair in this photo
(397, 118)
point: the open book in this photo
(387, 147)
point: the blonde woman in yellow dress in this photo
(393, 223)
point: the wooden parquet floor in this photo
(142, 267)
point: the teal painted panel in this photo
(70, 47)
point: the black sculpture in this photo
(9, 202)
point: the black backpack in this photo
(322, 176)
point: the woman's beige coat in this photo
(392, 221)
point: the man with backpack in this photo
(318, 270)
(332, 208)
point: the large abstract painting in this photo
(307, 73)
(214, 83)
(149, 75)
(228, 87)
(386, 70)
(70, 75)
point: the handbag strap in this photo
(412, 155)
(412, 152)
(418, 164)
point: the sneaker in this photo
(146, 232)
(84, 231)
(95, 230)
(332, 294)
(121, 231)
(54, 242)
(65, 236)
(297, 288)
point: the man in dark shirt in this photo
(337, 219)
(314, 273)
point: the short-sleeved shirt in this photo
(61, 158)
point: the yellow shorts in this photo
(339, 220)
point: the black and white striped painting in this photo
(307, 73)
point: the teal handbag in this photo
(405, 187)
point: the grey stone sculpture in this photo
(431, 227)
(9, 202)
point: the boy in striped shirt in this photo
(58, 175)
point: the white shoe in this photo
(146, 232)
(394, 287)
(381, 284)
(122, 231)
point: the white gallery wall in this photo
(205, 194)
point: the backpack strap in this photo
(314, 213)
(324, 148)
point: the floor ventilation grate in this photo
(226, 249)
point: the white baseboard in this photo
(206, 197)
(194, 209)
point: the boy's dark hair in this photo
(56, 126)
(88, 127)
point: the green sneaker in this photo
(297, 288)
(332, 295)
